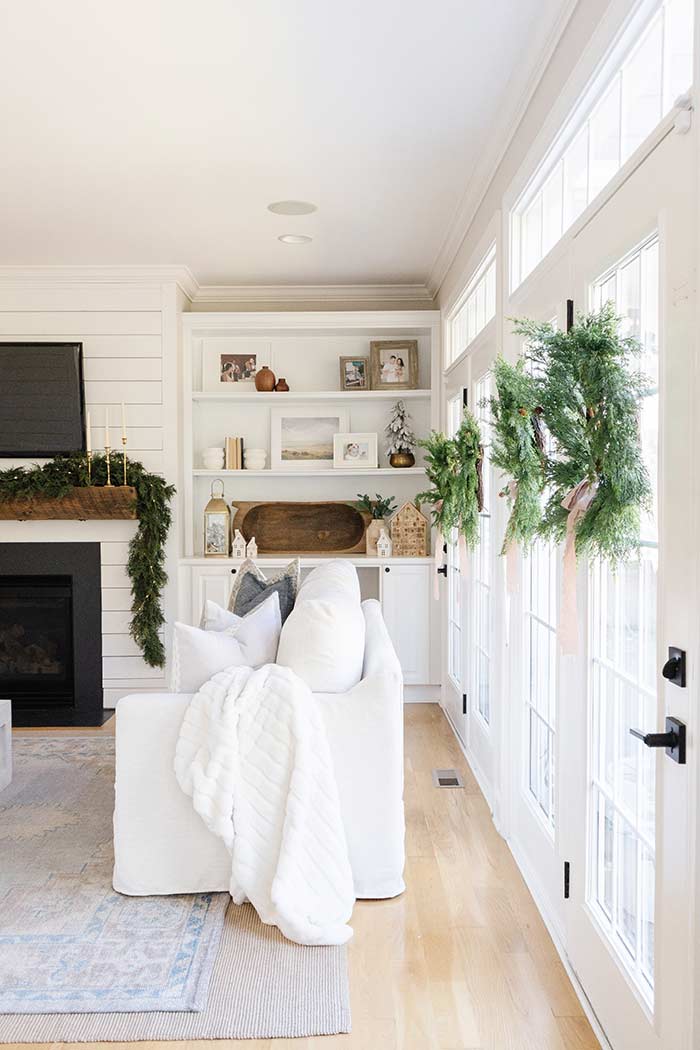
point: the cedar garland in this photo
(146, 561)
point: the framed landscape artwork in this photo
(394, 364)
(301, 437)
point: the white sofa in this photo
(161, 846)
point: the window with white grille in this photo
(476, 308)
(651, 65)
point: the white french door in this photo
(534, 689)
(628, 807)
(470, 615)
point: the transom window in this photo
(476, 308)
(649, 68)
(623, 691)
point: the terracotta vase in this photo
(282, 385)
(372, 535)
(265, 379)
(402, 459)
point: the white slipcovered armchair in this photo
(161, 846)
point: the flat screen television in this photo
(42, 403)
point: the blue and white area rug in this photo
(68, 942)
(57, 908)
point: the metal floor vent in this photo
(447, 778)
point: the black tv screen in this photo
(41, 399)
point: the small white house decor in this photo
(252, 548)
(239, 546)
(408, 529)
(384, 546)
(217, 523)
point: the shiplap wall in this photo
(129, 333)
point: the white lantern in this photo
(217, 523)
(383, 545)
(252, 549)
(238, 546)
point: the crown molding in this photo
(183, 277)
(70, 275)
(300, 293)
(486, 169)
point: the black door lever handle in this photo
(673, 740)
(443, 570)
(656, 739)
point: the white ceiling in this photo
(156, 132)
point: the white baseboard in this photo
(421, 694)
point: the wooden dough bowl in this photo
(334, 527)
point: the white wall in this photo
(129, 331)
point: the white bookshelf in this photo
(304, 348)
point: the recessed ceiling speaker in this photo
(291, 207)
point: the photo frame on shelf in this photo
(355, 451)
(354, 373)
(302, 436)
(394, 364)
(233, 370)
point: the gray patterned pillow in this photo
(251, 587)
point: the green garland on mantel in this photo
(145, 565)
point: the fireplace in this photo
(51, 633)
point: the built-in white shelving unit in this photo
(305, 348)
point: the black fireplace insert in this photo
(51, 633)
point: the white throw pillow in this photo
(324, 643)
(198, 654)
(216, 618)
(333, 580)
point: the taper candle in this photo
(123, 422)
(88, 435)
(106, 427)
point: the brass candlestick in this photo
(124, 455)
(89, 466)
(109, 475)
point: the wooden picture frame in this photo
(394, 364)
(354, 373)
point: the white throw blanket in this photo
(253, 755)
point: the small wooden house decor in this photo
(408, 529)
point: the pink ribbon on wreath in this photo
(576, 502)
(512, 548)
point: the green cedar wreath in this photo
(146, 560)
(589, 391)
(517, 449)
(453, 467)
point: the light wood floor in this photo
(462, 961)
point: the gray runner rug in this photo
(261, 985)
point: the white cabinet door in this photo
(210, 584)
(405, 596)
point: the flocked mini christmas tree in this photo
(400, 439)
